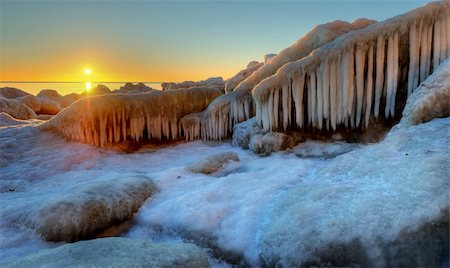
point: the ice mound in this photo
(232, 82)
(116, 252)
(214, 163)
(83, 209)
(323, 149)
(31, 101)
(243, 132)
(385, 205)
(348, 81)
(237, 106)
(269, 57)
(7, 120)
(12, 93)
(212, 82)
(16, 109)
(130, 88)
(68, 99)
(106, 119)
(431, 99)
(264, 144)
(98, 90)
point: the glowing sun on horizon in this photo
(87, 71)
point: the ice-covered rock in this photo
(84, 209)
(16, 109)
(113, 118)
(243, 132)
(232, 82)
(31, 101)
(323, 149)
(130, 88)
(7, 120)
(116, 252)
(68, 99)
(214, 163)
(431, 99)
(212, 82)
(385, 205)
(12, 93)
(98, 90)
(268, 57)
(49, 105)
(264, 144)
(50, 94)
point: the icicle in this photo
(271, 112)
(285, 107)
(276, 100)
(340, 75)
(444, 33)
(326, 90)
(312, 99)
(319, 97)
(390, 75)
(297, 90)
(447, 30)
(360, 65)
(369, 86)
(379, 73)
(395, 74)
(423, 53)
(429, 49)
(351, 85)
(418, 44)
(412, 58)
(333, 94)
(436, 44)
(345, 83)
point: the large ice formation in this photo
(232, 82)
(107, 119)
(116, 252)
(357, 75)
(218, 120)
(431, 99)
(16, 109)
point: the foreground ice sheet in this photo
(239, 211)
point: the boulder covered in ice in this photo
(31, 101)
(83, 209)
(232, 82)
(268, 57)
(97, 90)
(113, 118)
(50, 94)
(130, 88)
(16, 109)
(212, 82)
(116, 252)
(431, 99)
(12, 93)
(384, 205)
(214, 163)
(49, 106)
(323, 149)
(244, 131)
(68, 99)
(265, 144)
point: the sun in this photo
(87, 71)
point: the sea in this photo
(65, 88)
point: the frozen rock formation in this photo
(83, 209)
(232, 82)
(214, 163)
(218, 120)
(98, 90)
(264, 144)
(345, 82)
(431, 99)
(385, 205)
(323, 149)
(16, 109)
(106, 119)
(212, 82)
(68, 99)
(12, 93)
(31, 101)
(269, 57)
(7, 120)
(49, 94)
(49, 106)
(130, 88)
(243, 132)
(116, 252)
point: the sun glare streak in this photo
(88, 86)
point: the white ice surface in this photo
(229, 209)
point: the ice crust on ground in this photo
(323, 149)
(358, 75)
(214, 163)
(116, 252)
(8, 120)
(431, 99)
(217, 121)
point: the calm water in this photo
(66, 88)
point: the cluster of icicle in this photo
(107, 119)
(237, 106)
(345, 81)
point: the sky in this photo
(144, 41)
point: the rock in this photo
(68, 99)
(86, 208)
(31, 101)
(270, 142)
(212, 82)
(384, 205)
(49, 94)
(214, 163)
(98, 90)
(116, 252)
(12, 93)
(49, 106)
(16, 109)
(323, 149)
(130, 88)
(243, 132)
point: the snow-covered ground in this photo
(228, 212)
